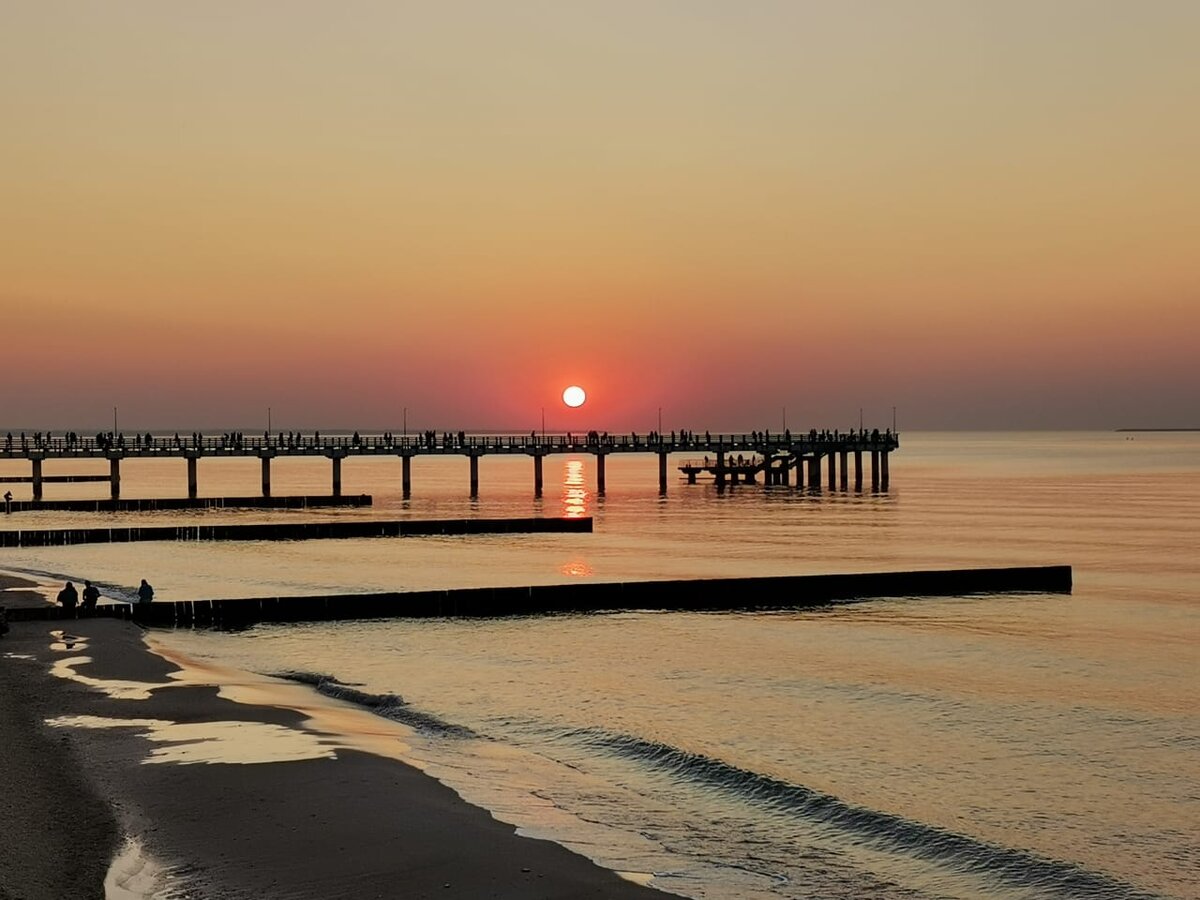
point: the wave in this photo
(884, 831)
(390, 706)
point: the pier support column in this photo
(662, 473)
(785, 474)
(266, 476)
(114, 477)
(36, 464)
(883, 475)
(474, 476)
(193, 481)
(600, 474)
(874, 470)
(845, 469)
(337, 475)
(537, 475)
(858, 470)
(814, 471)
(406, 476)
(832, 470)
(720, 470)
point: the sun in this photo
(574, 396)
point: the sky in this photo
(982, 214)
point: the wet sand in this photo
(341, 823)
(19, 593)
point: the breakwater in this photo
(290, 531)
(152, 504)
(692, 595)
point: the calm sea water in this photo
(1013, 746)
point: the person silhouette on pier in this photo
(68, 597)
(145, 592)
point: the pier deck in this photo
(782, 453)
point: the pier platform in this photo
(831, 450)
(786, 592)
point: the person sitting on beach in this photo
(90, 597)
(145, 592)
(68, 597)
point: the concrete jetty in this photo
(784, 592)
(291, 531)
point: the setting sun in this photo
(574, 396)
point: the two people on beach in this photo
(69, 598)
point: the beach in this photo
(218, 817)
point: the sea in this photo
(999, 746)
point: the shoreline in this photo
(231, 795)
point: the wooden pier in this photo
(781, 454)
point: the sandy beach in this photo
(247, 800)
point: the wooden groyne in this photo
(290, 531)
(703, 595)
(153, 504)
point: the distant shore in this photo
(333, 820)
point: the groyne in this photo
(152, 504)
(694, 595)
(290, 531)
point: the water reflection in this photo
(575, 494)
(576, 568)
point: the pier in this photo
(774, 593)
(784, 458)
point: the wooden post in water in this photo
(193, 480)
(883, 479)
(832, 470)
(36, 466)
(814, 471)
(720, 470)
(662, 473)
(858, 467)
(266, 475)
(406, 475)
(537, 474)
(474, 475)
(600, 473)
(874, 468)
(337, 475)
(845, 468)
(114, 477)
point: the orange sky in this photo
(984, 214)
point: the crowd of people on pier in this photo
(428, 440)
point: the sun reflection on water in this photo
(575, 494)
